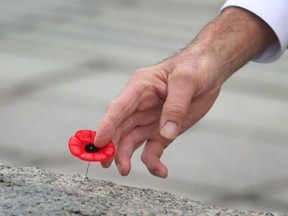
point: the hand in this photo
(161, 102)
(157, 104)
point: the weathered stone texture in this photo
(31, 191)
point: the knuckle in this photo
(112, 104)
(141, 72)
(183, 73)
(116, 104)
(188, 73)
(175, 109)
(184, 69)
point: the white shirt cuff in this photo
(275, 14)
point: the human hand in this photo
(162, 101)
(157, 104)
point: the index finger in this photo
(118, 110)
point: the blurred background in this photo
(63, 61)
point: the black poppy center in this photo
(91, 148)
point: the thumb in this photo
(181, 88)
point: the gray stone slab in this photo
(53, 54)
(16, 68)
(30, 191)
(98, 89)
(43, 128)
(97, 32)
(254, 111)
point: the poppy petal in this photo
(86, 136)
(75, 146)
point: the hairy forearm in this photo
(235, 37)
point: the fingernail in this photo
(159, 174)
(170, 130)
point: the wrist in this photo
(234, 38)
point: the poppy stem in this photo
(86, 177)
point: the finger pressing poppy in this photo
(81, 146)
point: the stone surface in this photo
(31, 191)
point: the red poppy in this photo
(81, 146)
